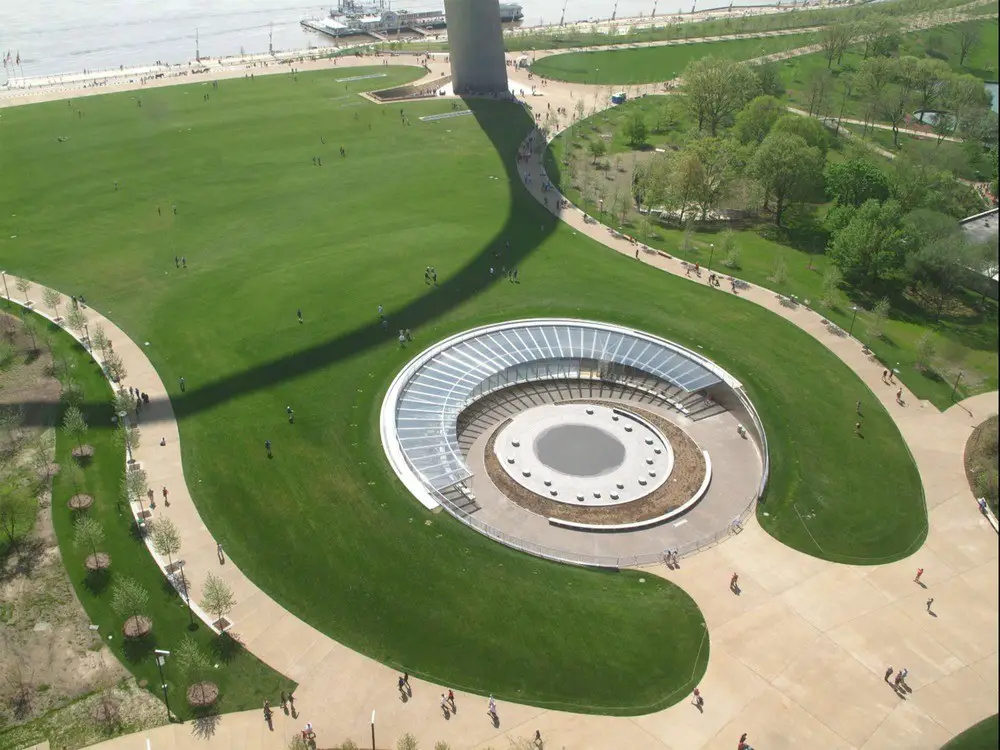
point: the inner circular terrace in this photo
(442, 414)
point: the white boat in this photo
(352, 17)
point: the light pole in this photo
(711, 254)
(373, 730)
(955, 389)
(853, 318)
(161, 658)
(6, 293)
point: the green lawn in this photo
(982, 736)
(654, 64)
(243, 680)
(965, 340)
(325, 527)
(941, 41)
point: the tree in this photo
(129, 599)
(880, 34)
(715, 156)
(667, 115)
(926, 349)
(717, 89)
(756, 119)
(89, 534)
(127, 438)
(942, 264)
(217, 598)
(75, 425)
(811, 130)
(853, 182)
(686, 181)
(597, 148)
(834, 41)
(134, 486)
(832, 279)
(17, 507)
(580, 109)
(99, 339)
(76, 321)
(929, 79)
(52, 299)
(875, 74)
(730, 249)
(769, 79)
(968, 37)
(23, 285)
(879, 315)
(166, 540)
(72, 393)
(893, 106)
(115, 367)
(636, 131)
(194, 664)
(122, 401)
(820, 88)
(788, 169)
(870, 246)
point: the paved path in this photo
(797, 659)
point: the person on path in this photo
(698, 701)
(401, 684)
(444, 705)
(298, 314)
(451, 699)
(916, 578)
(284, 702)
(899, 396)
(165, 493)
(734, 584)
(491, 708)
(221, 554)
(267, 447)
(267, 714)
(885, 376)
(538, 738)
(183, 384)
(743, 745)
(184, 262)
(177, 262)
(897, 679)
(151, 495)
(888, 673)
(902, 675)
(930, 603)
(291, 705)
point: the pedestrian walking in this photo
(899, 396)
(284, 702)
(291, 706)
(177, 262)
(857, 408)
(184, 262)
(151, 495)
(267, 714)
(183, 384)
(380, 313)
(174, 207)
(857, 429)
(401, 684)
(903, 674)
(897, 679)
(734, 582)
(491, 708)
(698, 702)
(291, 414)
(267, 447)
(885, 376)
(409, 335)
(402, 340)
(916, 578)
(298, 314)
(444, 705)
(451, 699)
(888, 673)
(221, 555)
(743, 745)
(165, 493)
(930, 603)
(538, 738)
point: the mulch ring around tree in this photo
(137, 627)
(202, 694)
(83, 451)
(100, 561)
(80, 502)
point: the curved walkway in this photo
(797, 659)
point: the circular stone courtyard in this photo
(586, 454)
(576, 440)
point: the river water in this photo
(68, 36)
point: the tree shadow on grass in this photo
(137, 650)
(227, 647)
(97, 581)
(206, 723)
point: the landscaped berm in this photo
(267, 248)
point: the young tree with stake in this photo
(217, 598)
(75, 425)
(23, 285)
(89, 534)
(52, 299)
(130, 600)
(166, 540)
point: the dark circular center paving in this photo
(579, 450)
